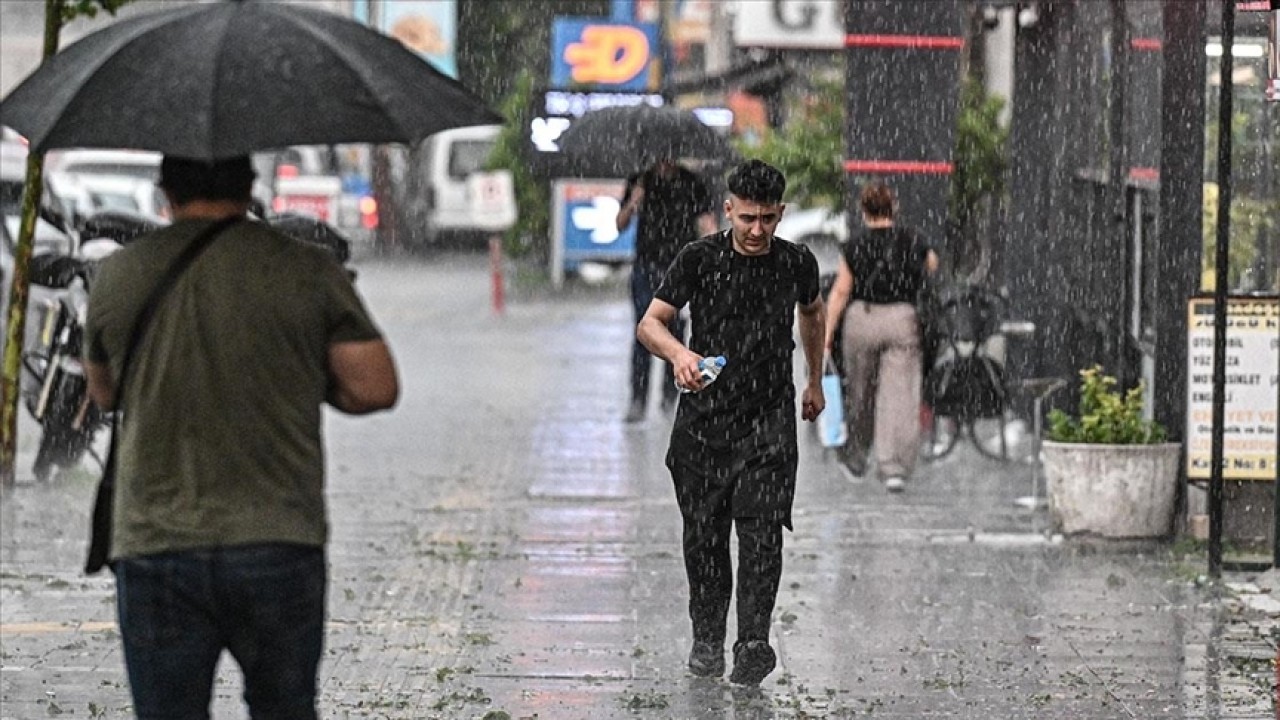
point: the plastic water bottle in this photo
(710, 368)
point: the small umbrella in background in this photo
(315, 231)
(617, 141)
(218, 80)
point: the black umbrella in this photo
(313, 230)
(225, 79)
(621, 140)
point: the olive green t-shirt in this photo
(221, 422)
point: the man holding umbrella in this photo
(674, 207)
(219, 519)
(218, 505)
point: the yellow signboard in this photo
(1252, 390)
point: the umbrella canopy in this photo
(219, 80)
(622, 140)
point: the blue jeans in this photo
(645, 280)
(178, 611)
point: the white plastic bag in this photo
(831, 421)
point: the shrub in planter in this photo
(1108, 470)
(1106, 416)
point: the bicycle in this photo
(966, 387)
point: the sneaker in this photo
(752, 662)
(635, 414)
(706, 659)
(895, 483)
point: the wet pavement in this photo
(504, 547)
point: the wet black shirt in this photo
(668, 216)
(741, 307)
(887, 264)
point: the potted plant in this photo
(1109, 471)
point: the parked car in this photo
(819, 229)
(49, 237)
(141, 164)
(328, 183)
(435, 200)
(83, 194)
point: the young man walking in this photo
(733, 452)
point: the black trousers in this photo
(645, 280)
(710, 572)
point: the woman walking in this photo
(881, 270)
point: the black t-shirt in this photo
(668, 216)
(887, 264)
(741, 307)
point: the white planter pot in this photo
(1117, 491)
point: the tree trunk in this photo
(18, 289)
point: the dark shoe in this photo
(851, 463)
(706, 659)
(854, 471)
(635, 414)
(752, 662)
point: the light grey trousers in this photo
(882, 366)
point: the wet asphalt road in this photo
(502, 543)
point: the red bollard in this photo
(495, 268)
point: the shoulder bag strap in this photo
(100, 541)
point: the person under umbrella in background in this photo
(219, 510)
(674, 207)
(733, 453)
(882, 269)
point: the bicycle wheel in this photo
(991, 438)
(938, 437)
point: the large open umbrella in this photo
(225, 79)
(618, 141)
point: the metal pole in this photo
(1118, 180)
(1221, 259)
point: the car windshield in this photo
(10, 197)
(469, 156)
(113, 201)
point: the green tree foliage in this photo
(533, 199)
(809, 148)
(491, 32)
(981, 159)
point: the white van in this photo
(434, 203)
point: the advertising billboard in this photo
(583, 225)
(599, 54)
(427, 27)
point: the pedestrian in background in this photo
(674, 207)
(733, 453)
(219, 510)
(882, 269)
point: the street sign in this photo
(813, 24)
(492, 198)
(583, 217)
(1253, 363)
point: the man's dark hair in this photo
(757, 181)
(187, 179)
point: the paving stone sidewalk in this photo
(504, 547)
